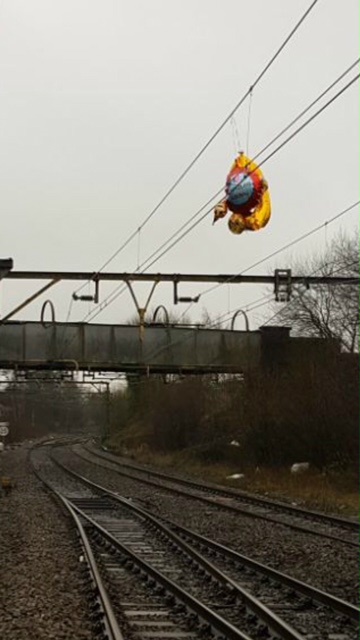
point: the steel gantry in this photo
(124, 348)
(283, 280)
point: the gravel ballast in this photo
(40, 585)
(326, 564)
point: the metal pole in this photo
(108, 409)
(30, 299)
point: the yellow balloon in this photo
(261, 215)
(237, 223)
(257, 220)
(243, 162)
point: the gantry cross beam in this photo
(282, 281)
(173, 277)
(90, 347)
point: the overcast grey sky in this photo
(104, 103)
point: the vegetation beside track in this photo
(333, 492)
(213, 427)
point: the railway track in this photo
(189, 586)
(160, 597)
(342, 530)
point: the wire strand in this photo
(275, 315)
(286, 141)
(276, 150)
(249, 124)
(121, 288)
(304, 111)
(286, 246)
(212, 137)
(259, 153)
(307, 122)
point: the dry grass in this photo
(333, 492)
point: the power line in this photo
(212, 137)
(312, 104)
(348, 209)
(224, 317)
(307, 122)
(183, 340)
(120, 288)
(213, 324)
(286, 141)
(275, 315)
(289, 244)
(251, 306)
(259, 153)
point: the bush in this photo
(306, 412)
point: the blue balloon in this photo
(239, 189)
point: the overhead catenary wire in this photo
(122, 288)
(258, 154)
(278, 148)
(236, 135)
(224, 317)
(211, 139)
(303, 112)
(333, 219)
(296, 132)
(217, 322)
(249, 123)
(269, 144)
(248, 308)
(251, 306)
(315, 115)
(287, 246)
(288, 304)
(307, 109)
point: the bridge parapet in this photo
(98, 347)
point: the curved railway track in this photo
(341, 530)
(191, 595)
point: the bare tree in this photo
(327, 311)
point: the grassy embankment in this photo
(309, 413)
(333, 492)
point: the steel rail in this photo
(112, 630)
(227, 492)
(110, 621)
(267, 617)
(201, 610)
(321, 597)
(212, 501)
(236, 493)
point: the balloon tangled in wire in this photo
(247, 197)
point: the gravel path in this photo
(40, 581)
(325, 564)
